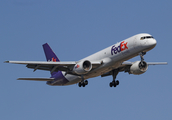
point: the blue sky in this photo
(76, 29)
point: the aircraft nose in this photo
(152, 42)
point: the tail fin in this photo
(50, 55)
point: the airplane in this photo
(109, 61)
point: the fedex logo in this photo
(52, 60)
(121, 47)
(76, 66)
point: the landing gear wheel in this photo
(114, 73)
(79, 84)
(83, 84)
(114, 84)
(110, 84)
(117, 82)
(86, 82)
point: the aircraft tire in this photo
(117, 82)
(110, 84)
(83, 85)
(86, 82)
(114, 83)
(79, 84)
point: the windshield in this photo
(146, 37)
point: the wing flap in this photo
(37, 79)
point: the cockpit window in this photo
(146, 37)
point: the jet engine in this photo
(138, 67)
(82, 67)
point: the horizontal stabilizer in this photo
(37, 79)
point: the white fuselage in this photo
(112, 57)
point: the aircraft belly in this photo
(103, 69)
(73, 79)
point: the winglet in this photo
(50, 55)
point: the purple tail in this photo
(50, 55)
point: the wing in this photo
(125, 66)
(149, 63)
(52, 66)
(49, 66)
(157, 63)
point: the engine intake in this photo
(138, 67)
(82, 67)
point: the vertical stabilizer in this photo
(50, 55)
(58, 77)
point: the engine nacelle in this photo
(82, 67)
(138, 67)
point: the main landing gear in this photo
(83, 83)
(114, 83)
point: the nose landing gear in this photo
(142, 57)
